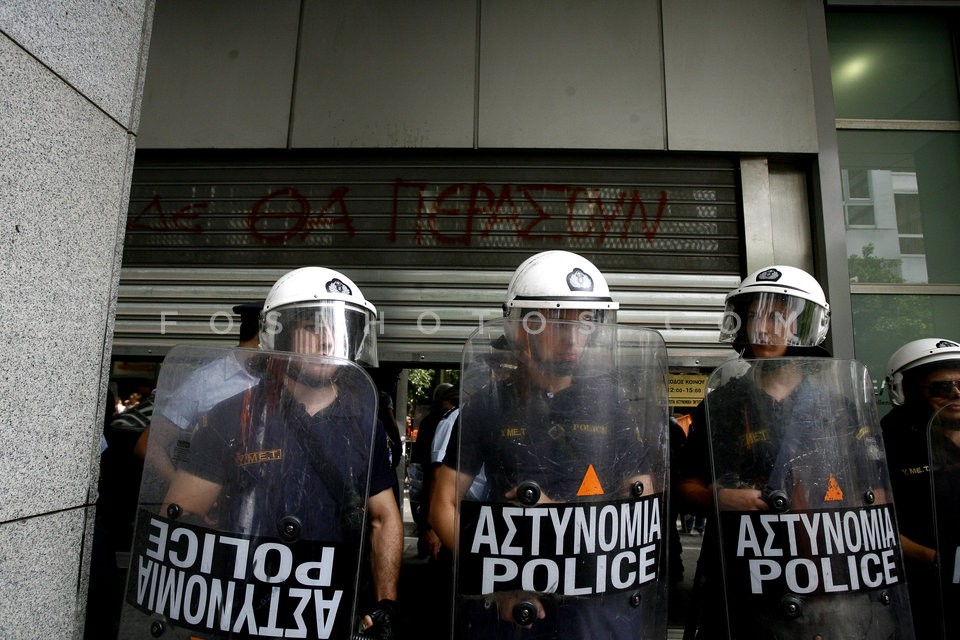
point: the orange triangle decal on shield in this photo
(591, 484)
(834, 492)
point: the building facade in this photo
(427, 148)
(637, 133)
(677, 144)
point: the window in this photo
(858, 198)
(898, 118)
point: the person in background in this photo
(106, 581)
(388, 417)
(438, 570)
(207, 386)
(422, 469)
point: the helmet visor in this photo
(774, 319)
(330, 328)
(559, 341)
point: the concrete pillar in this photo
(71, 77)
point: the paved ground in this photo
(679, 598)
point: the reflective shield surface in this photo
(251, 516)
(562, 468)
(944, 447)
(808, 536)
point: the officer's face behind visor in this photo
(330, 328)
(939, 385)
(768, 323)
(557, 338)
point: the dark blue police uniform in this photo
(770, 440)
(517, 433)
(273, 461)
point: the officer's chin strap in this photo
(770, 365)
(298, 375)
(552, 367)
(950, 425)
(316, 382)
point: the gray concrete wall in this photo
(72, 75)
(684, 75)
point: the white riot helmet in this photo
(557, 280)
(340, 321)
(915, 354)
(792, 294)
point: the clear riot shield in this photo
(808, 536)
(254, 525)
(562, 466)
(944, 450)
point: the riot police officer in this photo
(757, 323)
(921, 378)
(552, 429)
(283, 484)
(782, 438)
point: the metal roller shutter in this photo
(430, 238)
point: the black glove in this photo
(384, 620)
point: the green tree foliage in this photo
(885, 316)
(421, 383)
(867, 268)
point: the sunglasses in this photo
(942, 388)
